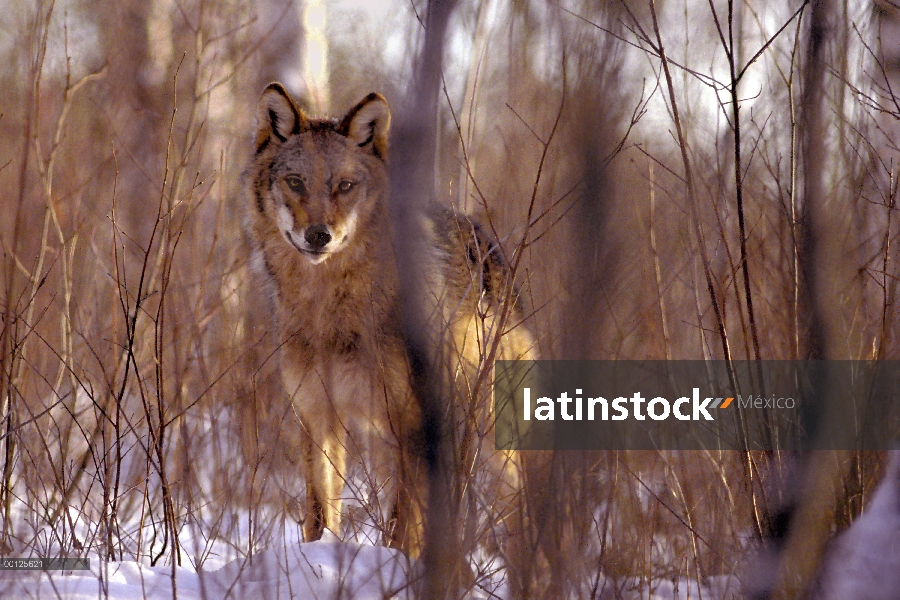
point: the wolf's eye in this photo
(345, 186)
(296, 184)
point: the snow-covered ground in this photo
(864, 561)
(329, 569)
(325, 569)
(222, 556)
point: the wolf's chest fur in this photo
(345, 307)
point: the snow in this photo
(864, 562)
(324, 569)
(327, 569)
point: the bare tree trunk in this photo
(315, 56)
(412, 186)
(827, 278)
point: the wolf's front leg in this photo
(405, 527)
(324, 438)
(325, 459)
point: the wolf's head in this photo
(319, 180)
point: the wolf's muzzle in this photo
(317, 236)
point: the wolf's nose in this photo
(318, 236)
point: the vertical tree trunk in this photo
(827, 284)
(315, 56)
(412, 185)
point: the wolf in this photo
(317, 217)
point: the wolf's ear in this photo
(367, 124)
(277, 117)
